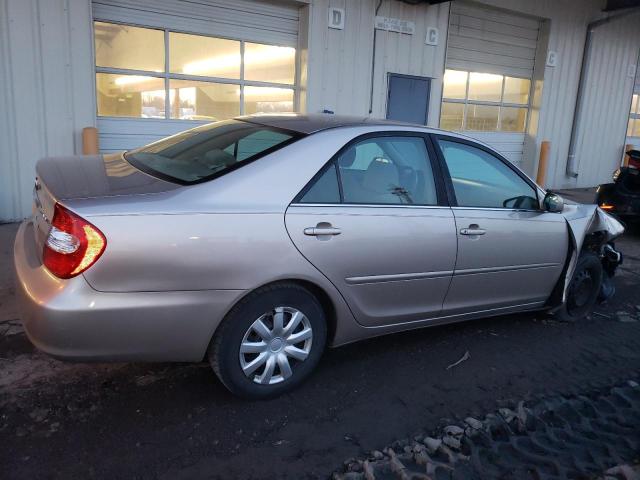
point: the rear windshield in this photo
(206, 152)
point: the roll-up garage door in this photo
(487, 43)
(491, 41)
(163, 66)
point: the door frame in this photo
(410, 77)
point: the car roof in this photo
(311, 123)
(316, 122)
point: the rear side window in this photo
(483, 180)
(384, 170)
(255, 143)
(325, 189)
(209, 151)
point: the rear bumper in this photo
(68, 319)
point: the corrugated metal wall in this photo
(607, 98)
(46, 90)
(339, 62)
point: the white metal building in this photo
(513, 73)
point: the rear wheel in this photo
(270, 342)
(584, 288)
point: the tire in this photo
(583, 290)
(266, 347)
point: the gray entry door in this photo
(408, 98)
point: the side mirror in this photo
(553, 202)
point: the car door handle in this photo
(472, 231)
(316, 231)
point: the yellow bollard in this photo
(625, 162)
(90, 141)
(545, 147)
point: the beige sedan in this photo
(259, 241)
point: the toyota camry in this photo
(255, 243)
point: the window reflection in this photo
(451, 116)
(633, 127)
(455, 84)
(487, 102)
(130, 96)
(133, 79)
(513, 119)
(203, 100)
(123, 46)
(206, 56)
(267, 100)
(482, 118)
(516, 90)
(485, 86)
(268, 63)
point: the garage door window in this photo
(484, 102)
(633, 130)
(154, 73)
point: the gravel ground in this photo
(592, 435)
(64, 420)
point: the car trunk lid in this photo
(61, 179)
(96, 176)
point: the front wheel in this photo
(270, 342)
(584, 288)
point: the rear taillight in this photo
(73, 244)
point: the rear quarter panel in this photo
(195, 252)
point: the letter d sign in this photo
(336, 18)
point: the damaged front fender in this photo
(584, 223)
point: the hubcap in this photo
(274, 344)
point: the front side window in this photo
(379, 171)
(484, 102)
(154, 73)
(483, 180)
(209, 151)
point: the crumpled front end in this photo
(591, 228)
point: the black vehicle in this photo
(622, 197)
